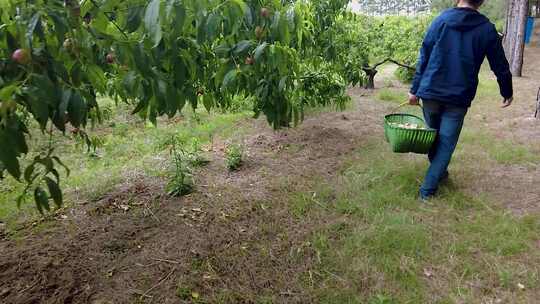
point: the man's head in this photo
(472, 3)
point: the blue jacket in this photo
(452, 53)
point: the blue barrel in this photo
(529, 30)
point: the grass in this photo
(130, 147)
(392, 95)
(391, 249)
(503, 151)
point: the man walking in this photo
(446, 79)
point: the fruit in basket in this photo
(410, 126)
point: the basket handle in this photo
(405, 104)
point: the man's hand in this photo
(507, 102)
(413, 100)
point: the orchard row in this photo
(57, 57)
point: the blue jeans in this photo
(448, 121)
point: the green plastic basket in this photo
(403, 140)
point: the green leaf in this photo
(39, 108)
(152, 21)
(28, 173)
(180, 16)
(220, 75)
(222, 50)
(259, 51)
(241, 5)
(284, 34)
(47, 163)
(76, 110)
(142, 60)
(241, 47)
(152, 111)
(42, 200)
(134, 19)
(45, 90)
(208, 101)
(212, 25)
(172, 101)
(64, 104)
(129, 82)
(60, 26)
(168, 8)
(100, 23)
(97, 77)
(143, 104)
(54, 190)
(161, 94)
(8, 157)
(76, 74)
(201, 29)
(275, 23)
(32, 26)
(283, 83)
(18, 142)
(68, 172)
(7, 92)
(229, 78)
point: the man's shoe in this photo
(445, 177)
(424, 199)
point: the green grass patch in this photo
(129, 146)
(392, 95)
(393, 249)
(502, 151)
(300, 203)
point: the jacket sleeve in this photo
(499, 65)
(425, 53)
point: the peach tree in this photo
(58, 57)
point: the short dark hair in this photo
(476, 3)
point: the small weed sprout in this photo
(233, 157)
(196, 157)
(181, 182)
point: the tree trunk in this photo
(537, 113)
(514, 40)
(370, 83)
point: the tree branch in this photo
(375, 66)
(402, 65)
